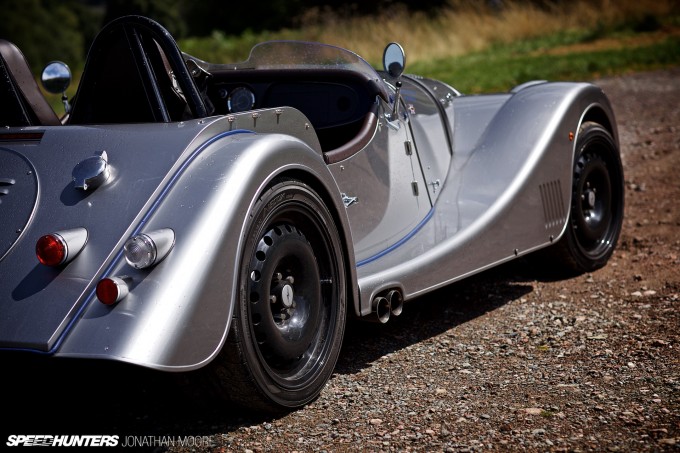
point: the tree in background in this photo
(233, 18)
(169, 13)
(47, 30)
(64, 29)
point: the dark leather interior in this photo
(132, 75)
(341, 105)
(22, 103)
(360, 140)
(111, 89)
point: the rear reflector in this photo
(111, 290)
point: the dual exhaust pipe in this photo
(386, 305)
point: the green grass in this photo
(502, 67)
(578, 55)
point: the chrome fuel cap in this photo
(92, 172)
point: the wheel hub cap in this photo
(287, 296)
(590, 197)
(284, 288)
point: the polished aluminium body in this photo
(506, 191)
(443, 186)
(142, 195)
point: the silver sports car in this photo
(225, 220)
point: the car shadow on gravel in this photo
(433, 314)
(54, 397)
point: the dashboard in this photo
(328, 100)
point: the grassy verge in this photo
(479, 50)
(504, 66)
(461, 28)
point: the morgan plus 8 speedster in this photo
(225, 220)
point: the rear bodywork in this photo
(451, 186)
(193, 177)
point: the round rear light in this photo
(140, 251)
(60, 247)
(111, 290)
(51, 250)
(148, 249)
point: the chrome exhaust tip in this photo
(396, 301)
(382, 309)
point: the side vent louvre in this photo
(4, 183)
(554, 210)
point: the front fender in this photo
(177, 314)
(508, 192)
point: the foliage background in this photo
(63, 29)
(475, 45)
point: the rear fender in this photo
(177, 314)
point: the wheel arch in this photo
(163, 322)
(596, 107)
(597, 110)
(596, 113)
(595, 118)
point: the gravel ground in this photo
(506, 360)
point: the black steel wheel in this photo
(597, 201)
(289, 321)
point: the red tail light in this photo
(51, 250)
(60, 247)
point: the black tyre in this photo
(289, 320)
(597, 200)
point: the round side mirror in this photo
(394, 59)
(56, 77)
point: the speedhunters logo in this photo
(36, 440)
(90, 440)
